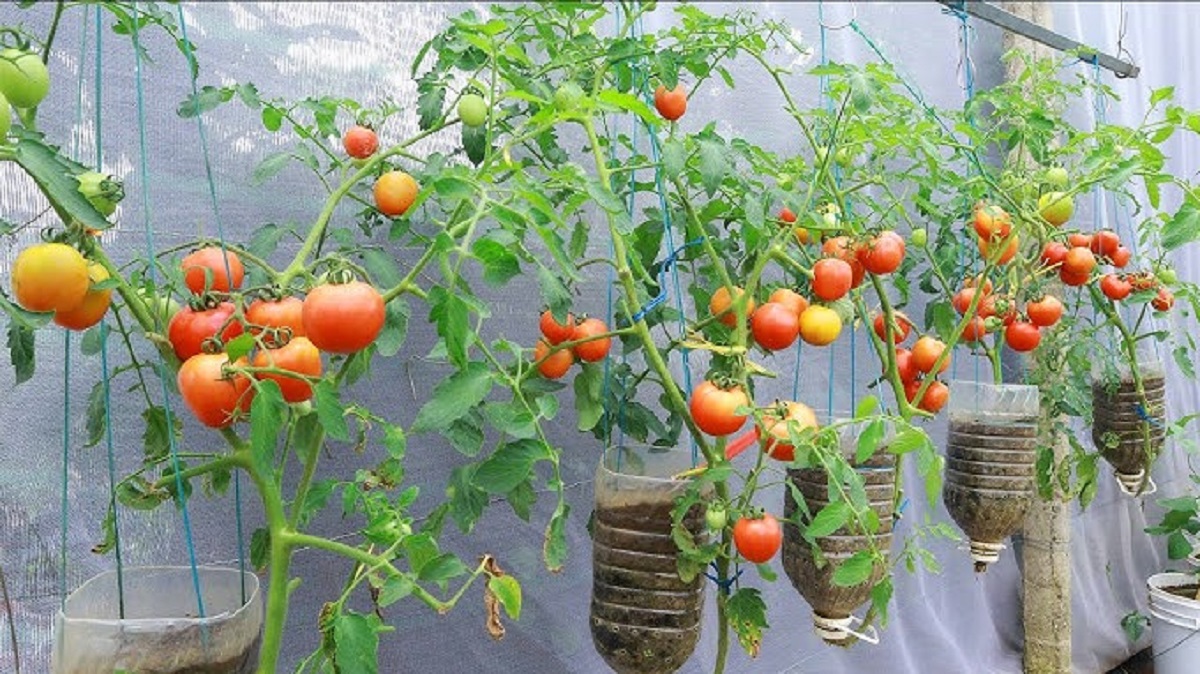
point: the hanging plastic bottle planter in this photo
(644, 618)
(991, 459)
(1128, 426)
(832, 605)
(160, 633)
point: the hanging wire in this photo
(144, 175)
(212, 194)
(104, 372)
(64, 505)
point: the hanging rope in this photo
(144, 175)
(212, 194)
(64, 504)
(104, 372)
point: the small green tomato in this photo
(919, 237)
(568, 96)
(473, 110)
(1056, 176)
(716, 517)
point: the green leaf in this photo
(509, 466)
(522, 498)
(589, 393)
(266, 420)
(674, 157)
(260, 548)
(21, 350)
(453, 188)
(1184, 361)
(474, 139)
(272, 118)
(868, 441)
(453, 398)
(855, 570)
(269, 167)
(356, 639)
(1159, 95)
(330, 411)
(1178, 546)
(467, 501)
(466, 435)
(394, 589)
(442, 568)
(1134, 624)
(500, 264)
(395, 328)
(92, 341)
(828, 520)
(156, 439)
(507, 591)
(866, 407)
(207, 98)
(431, 97)
(554, 292)
(239, 346)
(748, 616)
(908, 440)
(451, 313)
(554, 543)
(96, 415)
(713, 164)
(610, 99)
(1182, 228)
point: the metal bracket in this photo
(992, 14)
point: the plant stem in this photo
(58, 11)
(280, 563)
(310, 466)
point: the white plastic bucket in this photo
(1174, 624)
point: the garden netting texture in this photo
(946, 623)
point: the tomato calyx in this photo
(207, 301)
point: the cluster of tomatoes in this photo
(916, 364)
(1077, 262)
(395, 191)
(56, 277)
(589, 342)
(24, 82)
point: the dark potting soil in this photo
(644, 618)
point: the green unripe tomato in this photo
(843, 157)
(568, 96)
(303, 408)
(822, 155)
(102, 191)
(785, 181)
(5, 118)
(24, 79)
(1167, 275)
(472, 110)
(716, 517)
(919, 237)
(1056, 176)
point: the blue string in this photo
(108, 424)
(723, 584)
(212, 194)
(144, 172)
(823, 83)
(64, 504)
(668, 264)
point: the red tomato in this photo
(554, 365)
(1105, 242)
(1009, 251)
(883, 254)
(991, 222)
(360, 142)
(209, 263)
(775, 326)
(904, 366)
(934, 398)
(94, 305)
(1120, 257)
(973, 282)
(975, 330)
(758, 539)
(596, 349)
(721, 303)
(1072, 279)
(1114, 287)
(1053, 254)
(1079, 261)
(832, 278)
(343, 317)
(787, 215)
(299, 356)
(670, 104)
(395, 192)
(210, 396)
(1080, 240)
(713, 408)
(926, 352)
(844, 249)
(553, 331)
(1022, 336)
(285, 313)
(1143, 281)
(962, 300)
(188, 329)
(1044, 312)
(900, 327)
(779, 446)
(790, 299)
(1163, 301)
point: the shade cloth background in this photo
(951, 622)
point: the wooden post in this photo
(1046, 582)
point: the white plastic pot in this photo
(160, 632)
(1174, 624)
